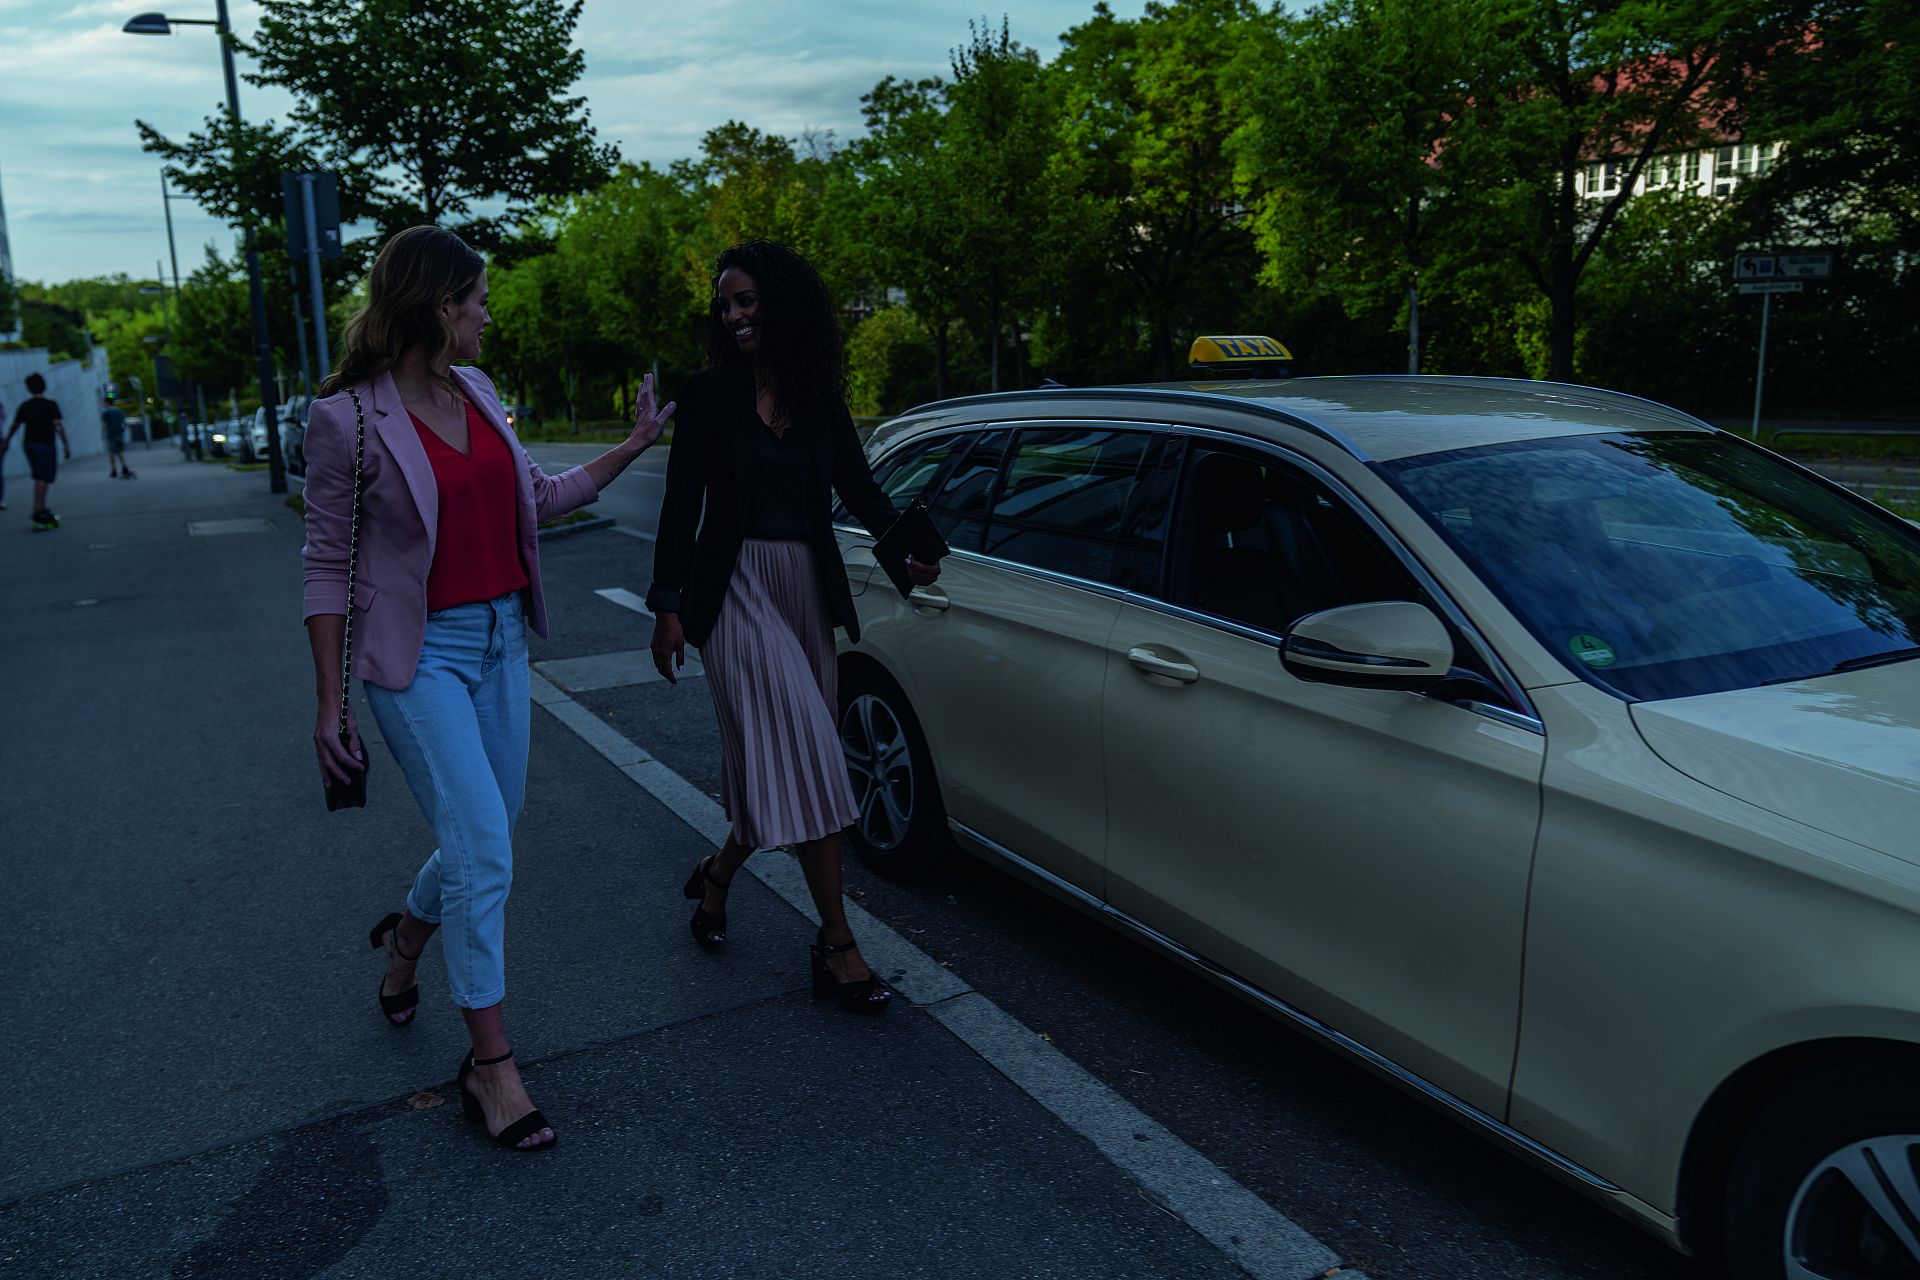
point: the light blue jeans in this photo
(460, 734)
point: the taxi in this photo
(1544, 749)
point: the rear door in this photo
(1005, 656)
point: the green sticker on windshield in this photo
(1592, 650)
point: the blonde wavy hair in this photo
(417, 270)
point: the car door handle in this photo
(1155, 665)
(922, 598)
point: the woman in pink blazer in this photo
(446, 584)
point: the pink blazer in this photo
(400, 518)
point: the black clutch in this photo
(913, 534)
(351, 794)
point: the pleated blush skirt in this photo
(770, 666)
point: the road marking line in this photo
(1260, 1239)
(623, 597)
(641, 534)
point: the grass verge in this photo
(572, 517)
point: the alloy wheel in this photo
(881, 767)
(1856, 1216)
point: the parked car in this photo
(223, 441)
(293, 433)
(1543, 749)
(520, 417)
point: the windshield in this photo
(1668, 564)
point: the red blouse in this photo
(477, 549)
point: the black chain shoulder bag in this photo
(351, 794)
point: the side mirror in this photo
(1389, 644)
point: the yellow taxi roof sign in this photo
(1216, 352)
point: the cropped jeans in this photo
(460, 734)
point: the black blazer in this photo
(711, 465)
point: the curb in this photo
(579, 526)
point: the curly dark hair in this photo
(801, 354)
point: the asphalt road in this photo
(202, 1085)
(1393, 1187)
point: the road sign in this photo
(326, 211)
(1755, 266)
(1773, 286)
(1814, 264)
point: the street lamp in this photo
(159, 24)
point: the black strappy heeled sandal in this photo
(709, 929)
(511, 1136)
(398, 1007)
(867, 996)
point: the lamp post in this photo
(159, 24)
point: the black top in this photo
(37, 414)
(781, 473)
(713, 483)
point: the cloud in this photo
(658, 76)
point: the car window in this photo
(907, 473)
(1671, 564)
(960, 508)
(1263, 544)
(1064, 499)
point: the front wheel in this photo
(1826, 1186)
(901, 830)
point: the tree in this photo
(443, 104)
(901, 196)
(626, 243)
(124, 331)
(1001, 135)
(423, 110)
(1339, 159)
(1564, 85)
(1153, 105)
(211, 343)
(1846, 102)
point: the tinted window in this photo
(906, 473)
(910, 471)
(960, 508)
(1263, 544)
(1668, 564)
(1064, 499)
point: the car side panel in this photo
(1676, 934)
(1362, 854)
(1006, 683)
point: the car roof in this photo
(1374, 417)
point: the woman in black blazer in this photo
(761, 436)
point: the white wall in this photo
(77, 385)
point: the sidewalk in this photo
(208, 1089)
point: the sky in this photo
(82, 198)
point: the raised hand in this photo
(648, 421)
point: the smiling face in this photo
(740, 308)
(468, 319)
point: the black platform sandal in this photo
(511, 1136)
(868, 996)
(709, 929)
(398, 1007)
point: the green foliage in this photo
(123, 332)
(61, 330)
(1209, 166)
(889, 363)
(212, 329)
(1364, 220)
(1149, 158)
(413, 98)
